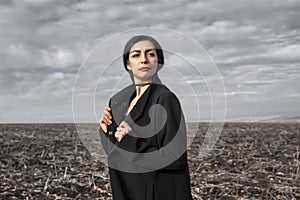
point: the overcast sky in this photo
(254, 44)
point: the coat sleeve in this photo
(174, 125)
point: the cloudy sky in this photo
(254, 44)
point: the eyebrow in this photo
(138, 51)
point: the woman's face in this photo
(142, 61)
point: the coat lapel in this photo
(140, 106)
(120, 103)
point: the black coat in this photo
(164, 175)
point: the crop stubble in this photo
(249, 161)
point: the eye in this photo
(151, 54)
(135, 55)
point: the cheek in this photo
(153, 60)
(131, 64)
(135, 62)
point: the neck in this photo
(140, 88)
(142, 84)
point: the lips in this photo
(144, 69)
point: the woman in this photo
(145, 163)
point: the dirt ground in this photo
(249, 161)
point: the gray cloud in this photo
(255, 44)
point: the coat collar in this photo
(120, 103)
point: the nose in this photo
(144, 59)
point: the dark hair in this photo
(158, 49)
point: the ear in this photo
(128, 66)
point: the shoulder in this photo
(163, 93)
(166, 98)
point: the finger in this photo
(119, 128)
(107, 113)
(102, 120)
(108, 121)
(107, 108)
(105, 119)
(118, 136)
(123, 132)
(122, 129)
(125, 125)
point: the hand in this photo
(105, 119)
(122, 130)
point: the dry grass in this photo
(250, 161)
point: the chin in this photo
(145, 77)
